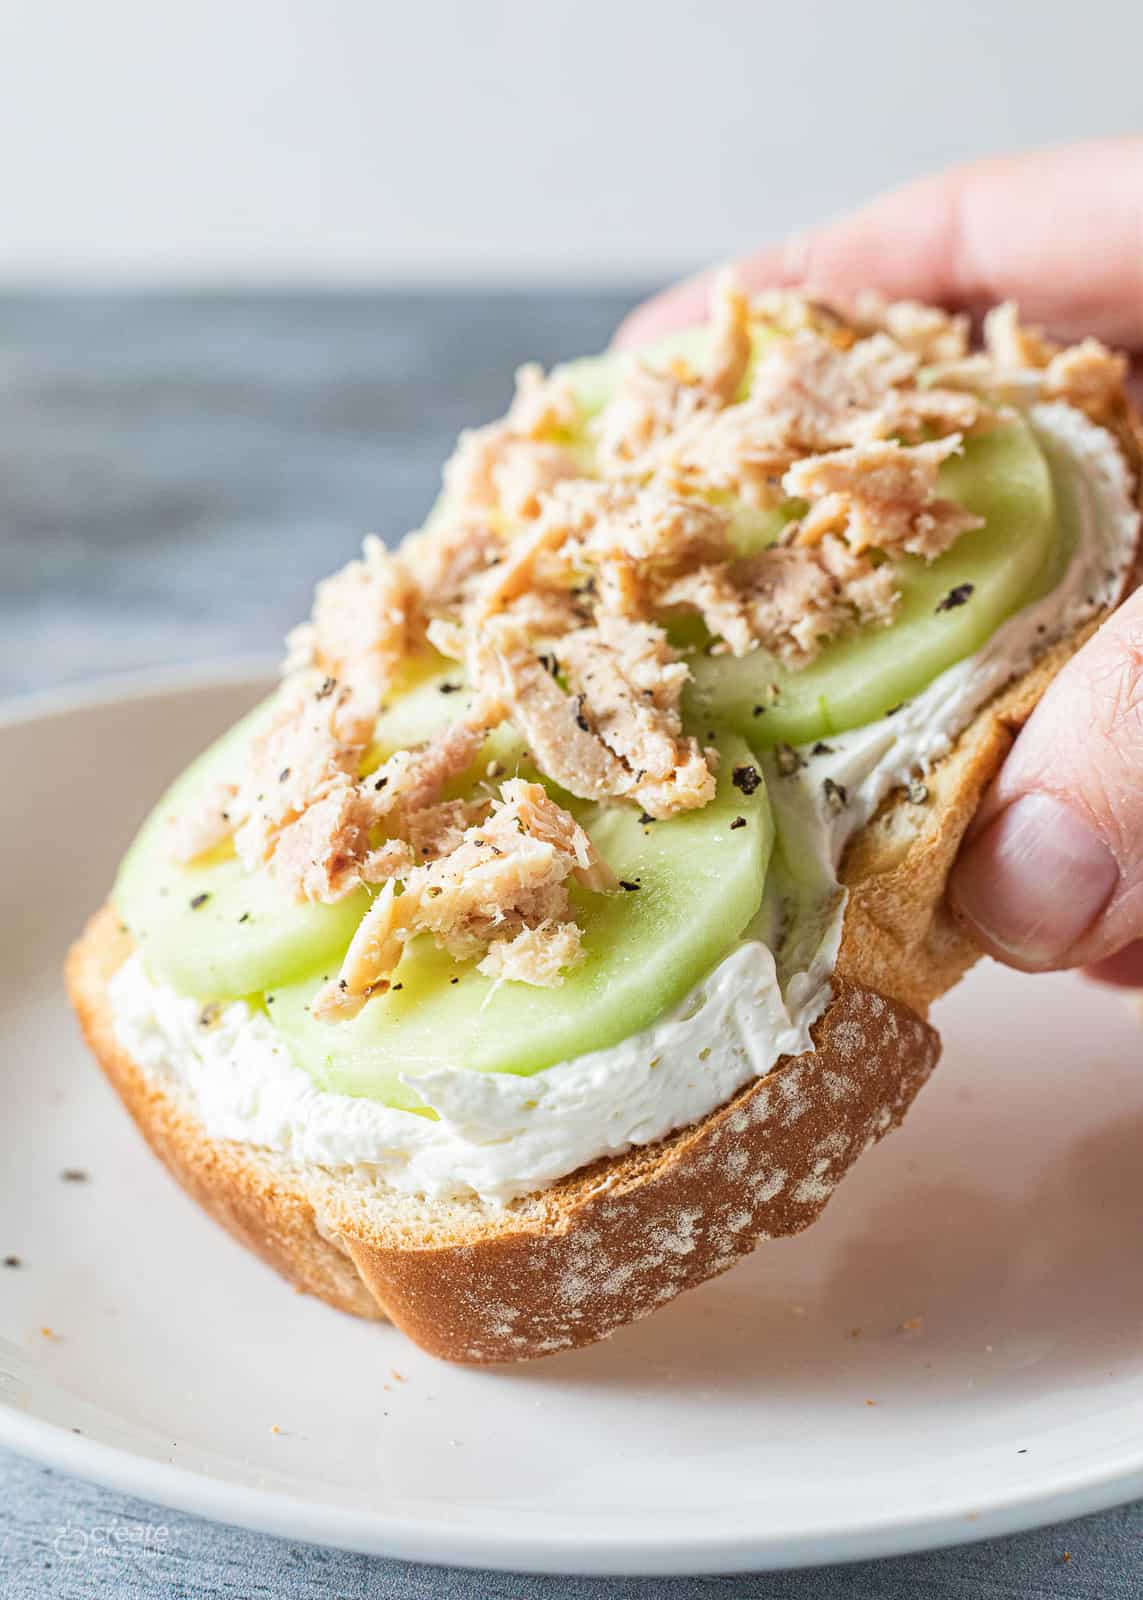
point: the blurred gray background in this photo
(177, 469)
(260, 261)
(563, 141)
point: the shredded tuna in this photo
(436, 830)
(605, 542)
(544, 405)
(1087, 375)
(411, 780)
(508, 466)
(539, 956)
(880, 496)
(792, 311)
(618, 732)
(1021, 366)
(526, 472)
(534, 812)
(649, 406)
(650, 527)
(292, 764)
(646, 408)
(1009, 344)
(303, 812)
(631, 541)
(809, 396)
(731, 344)
(505, 663)
(627, 680)
(518, 573)
(822, 398)
(359, 635)
(869, 589)
(788, 601)
(494, 470)
(321, 853)
(447, 637)
(550, 585)
(393, 858)
(713, 593)
(930, 333)
(507, 874)
(449, 559)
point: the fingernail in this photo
(1033, 882)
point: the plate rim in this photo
(136, 683)
(435, 1540)
(438, 1542)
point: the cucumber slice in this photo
(215, 931)
(699, 883)
(426, 708)
(1008, 563)
(211, 929)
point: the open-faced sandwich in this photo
(567, 921)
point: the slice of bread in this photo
(608, 1244)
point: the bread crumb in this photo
(274, 1428)
(397, 1377)
(871, 1402)
(1066, 1557)
(49, 1333)
(911, 1325)
(854, 1333)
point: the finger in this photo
(1052, 875)
(1059, 231)
(1124, 969)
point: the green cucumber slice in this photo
(699, 883)
(215, 931)
(1008, 563)
(211, 929)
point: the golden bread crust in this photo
(601, 1248)
(253, 1194)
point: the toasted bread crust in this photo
(610, 1243)
(257, 1197)
(599, 1249)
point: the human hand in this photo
(1051, 874)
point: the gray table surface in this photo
(174, 474)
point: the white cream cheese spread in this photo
(499, 1136)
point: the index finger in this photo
(1061, 232)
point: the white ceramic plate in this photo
(792, 1412)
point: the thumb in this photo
(1052, 874)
